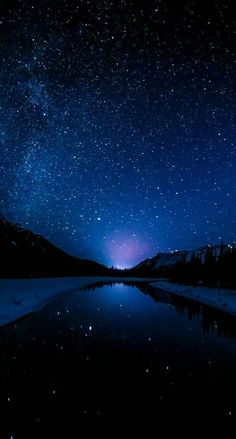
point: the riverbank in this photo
(20, 297)
(220, 298)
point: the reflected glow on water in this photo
(88, 350)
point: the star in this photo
(117, 126)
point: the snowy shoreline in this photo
(219, 298)
(20, 297)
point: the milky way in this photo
(117, 124)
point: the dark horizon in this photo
(3, 218)
(29, 255)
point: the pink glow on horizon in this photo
(126, 252)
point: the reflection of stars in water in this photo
(142, 338)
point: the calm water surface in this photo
(115, 351)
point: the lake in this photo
(115, 351)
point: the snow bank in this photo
(19, 297)
(219, 298)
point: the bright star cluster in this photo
(117, 124)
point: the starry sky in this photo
(117, 124)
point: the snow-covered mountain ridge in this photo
(162, 260)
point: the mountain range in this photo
(25, 254)
(166, 260)
(212, 265)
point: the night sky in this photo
(117, 124)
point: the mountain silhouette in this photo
(211, 264)
(25, 254)
(168, 259)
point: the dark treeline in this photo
(217, 270)
(25, 254)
